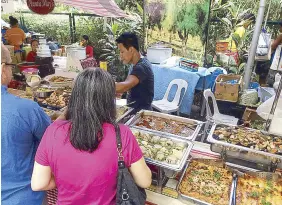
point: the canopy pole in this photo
(274, 105)
(251, 58)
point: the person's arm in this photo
(130, 82)
(63, 115)
(23, 36)
(7, 36)
(42, 178)
(141, 173)
(39, 122)
(276, 42)
(89, 51)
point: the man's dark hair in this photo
(92, 103)
(13, 21)
(128, 40)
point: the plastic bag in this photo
(277, 80)
(264, 109)
(263, 43)
(73, 63)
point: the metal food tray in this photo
(52, 112)
(50, 107)
(135, 119)
(241, 152)
(270, 176)
(129, 110)
(212, 162)
(177, 167)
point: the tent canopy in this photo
(107, 8)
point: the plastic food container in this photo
(30, 71)
(24, 66)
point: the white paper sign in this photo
(7, 6)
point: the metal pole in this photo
(274, 105)
(207, 36)
(71, 30)
(251, 59)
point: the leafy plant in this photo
(110, 52)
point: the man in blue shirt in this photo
(23, 124)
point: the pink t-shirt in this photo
(82, 177)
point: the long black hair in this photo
(13, 21)
(92, 103)
(88, 42)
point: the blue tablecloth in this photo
(164, 75)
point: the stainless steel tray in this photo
(183, 197)
(129, 110)
(264, 175)
(241, 152)
(134, 120)
(177, 167)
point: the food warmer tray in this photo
(51, 107)
(184, 197)
(135, 119)
(270, 176)
(176, 168)
(129, 110)
(240, 152)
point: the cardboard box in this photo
(227, 91)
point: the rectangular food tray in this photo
(240, 152)
(134, 120)
(245, 170)
(129, 110)
(183, 161)
(51, 107)
(184, 197)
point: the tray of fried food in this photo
(206, 182)
(57, 100)
(245, 143)
(15, 92)
(59, 81)
(175, 126)
(260, 188)
(29, 97)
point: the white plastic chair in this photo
(166, 106)
(217, 117)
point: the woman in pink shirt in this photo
(78, 155)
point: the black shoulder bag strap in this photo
(121, 163)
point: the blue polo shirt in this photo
(23, 124)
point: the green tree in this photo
(169, 22)
(191, 20)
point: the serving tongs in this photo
(233, 189)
